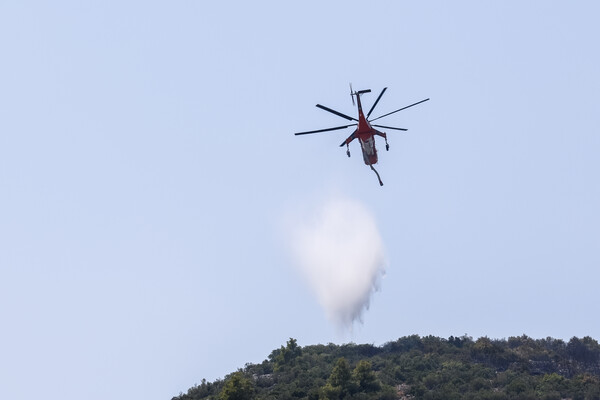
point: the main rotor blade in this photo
(390, 127)
(376, 101)
(324, 130)
(403, 108)
(339, 114)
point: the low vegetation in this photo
(415, 367)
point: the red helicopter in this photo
(365, 131)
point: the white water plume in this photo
(340, 251)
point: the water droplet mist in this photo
(339, 250)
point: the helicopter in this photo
(365, 131)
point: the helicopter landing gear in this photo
(347, 150)
(387, 146)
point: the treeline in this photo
(415, 367)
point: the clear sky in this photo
(147, 162)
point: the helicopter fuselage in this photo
(365, 134)
(367, 144)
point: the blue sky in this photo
(147, 162)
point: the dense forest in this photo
(415, 367)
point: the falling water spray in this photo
(339, 250)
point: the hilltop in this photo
(415, 367)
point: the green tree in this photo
(365, 378)
(237, 387)
(584, 350)
(339, 385)
(286, 354)
(340, 376)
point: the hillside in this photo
(416, 367)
